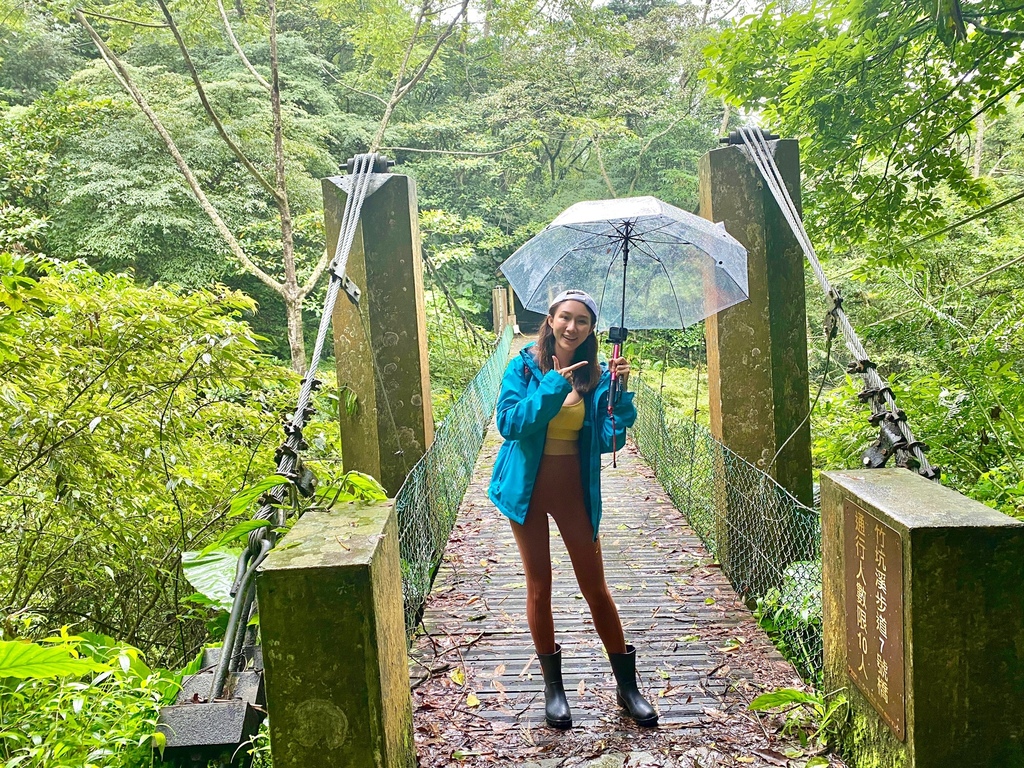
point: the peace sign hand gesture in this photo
(566, 372)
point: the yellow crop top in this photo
(565, 428)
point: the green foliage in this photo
(816, 718)
(212, 574)
(456, 349)
(791, 617)
(951, 354)
(131, 414)
(673, 362)
(32, 140)
(525, 124)
(212, 570)
(903, 118)
(28, 660)
(352, 486)
(882, 107)
(466, 251)
(667, 348)
(36, 54)
(127, 206)
(684, 390)
(62, 714)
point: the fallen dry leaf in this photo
(771, 756)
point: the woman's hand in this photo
(621, 368)
(566, 372)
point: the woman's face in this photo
(570, 324)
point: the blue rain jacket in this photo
(528, 400)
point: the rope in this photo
(883, 403)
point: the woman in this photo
(553, 413)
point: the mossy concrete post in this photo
(511, 319)
(953, 620)
(386, 418)
(757, 349)
(499, 308)
(333, 634)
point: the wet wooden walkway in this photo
(701, 657)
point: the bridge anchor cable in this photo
(362, 169)
(895, 435)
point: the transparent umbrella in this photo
(647, 264)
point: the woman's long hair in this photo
(584, 379)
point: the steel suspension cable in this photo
(262, 540)
(883, 403)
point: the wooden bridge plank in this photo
(701, 656)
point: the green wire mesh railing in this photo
(428, 501)
(768, 543)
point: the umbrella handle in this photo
(616, 336)
(613, 393)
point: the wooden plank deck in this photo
(701, 656)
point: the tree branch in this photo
(238, 48)
(1006, 34)
(425, 64)
(124, 21)
(400, 89)
(367, 94)
(318, 270)
(208, 107)
(460, 152)
(983, 14)
(908, 164)
(122, 76)
(280, 194)
(600, 164)
(646, 146)
(396, 92)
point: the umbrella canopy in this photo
(647, 264)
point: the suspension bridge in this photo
(396, 632)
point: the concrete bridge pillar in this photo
(499, 308)
(757, 350)
(923, 622)
(387, 422)
(334, 649)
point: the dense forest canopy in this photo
(895, 102)
(162, 242)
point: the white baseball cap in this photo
(575, 295)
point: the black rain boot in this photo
(626, 692)
(556, 707)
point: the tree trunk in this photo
(979, 144)
(296, 340)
